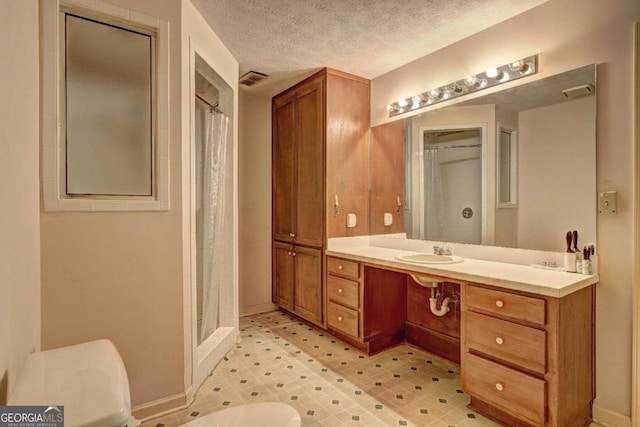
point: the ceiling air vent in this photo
(251, 78)
(578, 91)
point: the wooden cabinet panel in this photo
(517, 344)
(284, 169)
(282, 282)
(342, 267)
(343, 291)
(310, 169)
(343, 319)
(348, 122)
(518, 307)
(308, 283)
(387, 176)
(512, 391)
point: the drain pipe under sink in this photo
(433, 301)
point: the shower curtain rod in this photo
(436, 147)
(214, 108)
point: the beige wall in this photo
(567, 34)
(255, 202)
(19, 187)
(549, 139)
(118, 275)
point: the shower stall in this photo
(451, 182)
(213, 237)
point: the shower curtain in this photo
(433, 196)
(215, 220)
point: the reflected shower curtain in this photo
(215, 224)
(433, 196)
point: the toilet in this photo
(264, 414)
(88, 379)
(91, 382)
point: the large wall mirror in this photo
(514, 168)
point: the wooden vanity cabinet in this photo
(320, 137)
(366, 306)
(527, 360)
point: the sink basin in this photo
(429, 259)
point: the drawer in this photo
(343, 291)
(512, 391)
(518, 307)
(520, 345)
(342, 319)
(343, 267)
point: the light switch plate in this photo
(351, 220)
(388, 219)
(608, 202)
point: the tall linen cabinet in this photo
(320, 155)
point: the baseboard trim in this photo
(609, 418)
(158, 408)
(257, 309)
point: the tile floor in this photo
(329, 383)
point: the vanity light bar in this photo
(490, 78)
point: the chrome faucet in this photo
(442, 250)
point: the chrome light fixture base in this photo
(490, 78)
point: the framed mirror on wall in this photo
(105, 109)
(539, 136)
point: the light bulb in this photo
(504, 77)
(516, 65)
(402, 102)
(471, 81)
(416, 102)
(434, 93)
(492, 73)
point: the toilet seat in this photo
(264, 414)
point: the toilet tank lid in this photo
(88, 379)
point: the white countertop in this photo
(509, 276)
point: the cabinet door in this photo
(284, 168)
(308, 283)
(310, 160)
(282, 282)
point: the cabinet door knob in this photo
(289, 252)
(499, 387)
(340, 290)
(292, 234)
(293, 254)
(339, 318)
(499, 341)
(340, 267)
(499, 304)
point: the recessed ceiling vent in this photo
(577, 91)
(251, 78)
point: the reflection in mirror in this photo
(534, 179)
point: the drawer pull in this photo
(340, 267)
(340, 290)
(499, 387)
(339, 318)
(499, 341)
(499, 304)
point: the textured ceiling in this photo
(290, 39)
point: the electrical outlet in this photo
(608, 202)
